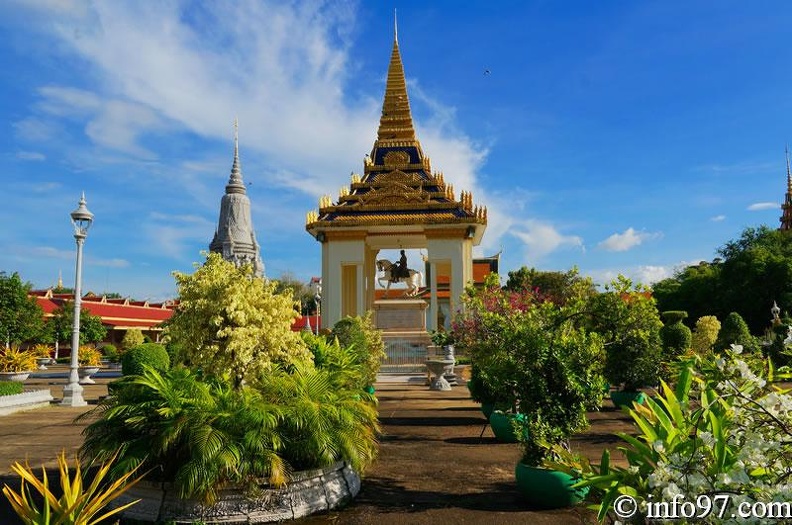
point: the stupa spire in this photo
(396, 120)
(234, 237)
(235, 182)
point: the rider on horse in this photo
(400, 269)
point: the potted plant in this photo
(16, 364)
(530, 352)
(43, 355)
(626, 316)
(90, 360)
(558, 372)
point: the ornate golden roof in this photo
(398, 186)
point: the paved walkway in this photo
(433, 467)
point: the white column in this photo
(432, 321)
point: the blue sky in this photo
(619, 137)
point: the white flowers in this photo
(738, 443)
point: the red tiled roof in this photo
(113, 312)
(299, 323)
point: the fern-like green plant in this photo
(200, 434)
(323, 420)
(82, 503)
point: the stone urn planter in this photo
(308, 492)
(14, 376)
(547, 489)
(85, 373)
(43, 362)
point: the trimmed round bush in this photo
(676, 337)
(151, 354)
(110, 352)
(734, 330)
(673, 316)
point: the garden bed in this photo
(308, 492)
(24, 401)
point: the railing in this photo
(404, 357)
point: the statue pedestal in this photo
(402, 315)
(403, 325)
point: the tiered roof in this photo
(398, 186)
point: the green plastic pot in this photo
(547, 489)
(370, 390)
(502, 427)
(623, 398)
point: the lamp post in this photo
(72, 392)
(316, 284)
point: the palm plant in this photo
(323, 420)
(201, 435)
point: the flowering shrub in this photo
(723, 431)
(232, 323)
(527, 353)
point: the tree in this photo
(301, 293)
(60, 325)
(695, 289)
(559, 287)
(21, 318)
(751, 273)
(233, 324)
(626, 316)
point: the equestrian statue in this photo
(399, 273)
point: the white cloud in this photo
(645, 274)
(621, 242)
(175, 235)
(30, 155)
(49, 252)
(651, 274)
(35, 129)
(541, 238)
(718, 218)
(759, 206)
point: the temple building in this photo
(786, 214)
(398, 203)
(235, 238)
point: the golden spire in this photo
(786, 214)
(396, 121)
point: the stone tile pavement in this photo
(435, 465)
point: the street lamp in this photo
(316, 284)
(72, 392)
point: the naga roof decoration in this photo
(398, 186)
